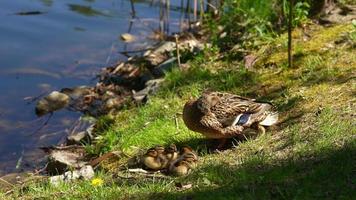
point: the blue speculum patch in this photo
(244, 119)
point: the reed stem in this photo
(177, 47)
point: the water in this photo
(64, 45)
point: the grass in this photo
(309, 155)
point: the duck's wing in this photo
(230, 106)
(210, 122)
(233, 109)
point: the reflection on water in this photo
(85, 10)
(64, 46)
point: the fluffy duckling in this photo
(171, 152)
(183, 165)
(188, 153)
(180, 168)
(220, 115)
(154, 158)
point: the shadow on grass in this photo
(204, 145)
(325, 175)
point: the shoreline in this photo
(124, 84)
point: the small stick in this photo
(43, 125)
(110, 53)
(9, 192)
(5, 181)
(177, 47)
(41, 170)
(33, 99)
(138, 170)
(201, 11)
(133, 11)
(195, 10)
(176, 122)
(290, 58)
(167, 15)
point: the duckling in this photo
(161, 155)
(171, 152)
(180, 168)
(220, 115)
(188, 153)
(154, 158)
(184, 164)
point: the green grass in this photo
(309, 155)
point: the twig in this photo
(201, 11)
(187, 13)
(138, 170)
(290, 59)
(167, 15)
(147, 173)
(43, 125)
(195, 10)
(5, 181)
(33, 99)
(211, 6)
(156, 176)
(110, 53)
(99, 159)
(9, 192)
(41, 170)
(177, 47)
(176, 122)
(181, 16)
(135, 51)
(133, 12)
(161, 23)
(75, 146)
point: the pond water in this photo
(46, 45)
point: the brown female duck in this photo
(222, 115)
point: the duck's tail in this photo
(270, 120)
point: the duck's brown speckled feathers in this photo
(215, 114)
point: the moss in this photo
(320, 39)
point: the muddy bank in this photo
(124, 83)
(121, 85)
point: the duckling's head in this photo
(159, 149)
(190, 157)
(186, 149)
(152, 152)
(171, 149)
(171, 152)
(188, 154)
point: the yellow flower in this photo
(97, 182)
